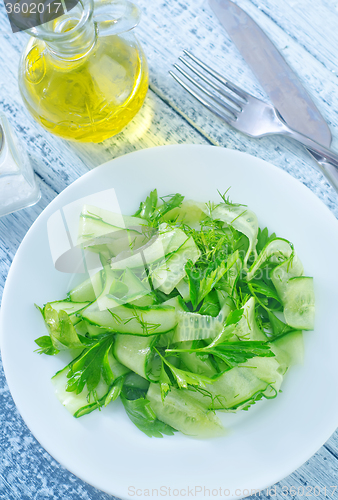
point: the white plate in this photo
(264, 444)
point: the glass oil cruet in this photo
(84, 76)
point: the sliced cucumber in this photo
(114, 231)
(112, 218)
(266, 369)
(136, 382)
(71, 308)
(281, 274)
(296, 293)
(139, 292)
(276, 251)
(183, 289)
(240, 384)
(81, 327)
(61, 329)
(176, 302)
(105, 254)
(95, 330)
(289, 350)
(145, 301)
(247, 328)
(91, 228)
(88, 290)
(111, 245)
(76, 403)
(127, 288)
(131, 241)
(191, 212)
(299, 303)
(195, 326)
(233, 388)
(110, 278)
(196, 363)
(133, 320)
(184, 413)
(80, 404)
(165, 242)
(168, 274)
(241, 219)
(137, 354)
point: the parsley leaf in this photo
(46, 346)
(263, 239)
(234, 317)
(164, 381)
(115, 390)
(62, 333)
(199, 288)
(89, 366)
(258, 286)
(210, 306)
(142, 415)
(148, 206)
(152, 212)
(184, 378)
(193, 277)
(234, 353)
(174, 201)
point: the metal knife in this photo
(278, 80)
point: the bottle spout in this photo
(115, 17)
(71, 35)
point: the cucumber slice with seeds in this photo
(184, 413)
(299, 303)
(296, 293)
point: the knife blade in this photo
(276, 77)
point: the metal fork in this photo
(247, 113)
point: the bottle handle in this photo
(114, 17)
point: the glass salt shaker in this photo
(18, 188)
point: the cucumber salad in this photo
(193, 309)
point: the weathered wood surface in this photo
(306, 33)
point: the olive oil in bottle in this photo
(87, 89)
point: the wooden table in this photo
(306, 33)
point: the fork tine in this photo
(205, 103)
(219, 89)
(231, 86)
(219, 101)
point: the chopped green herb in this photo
(198, 310)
